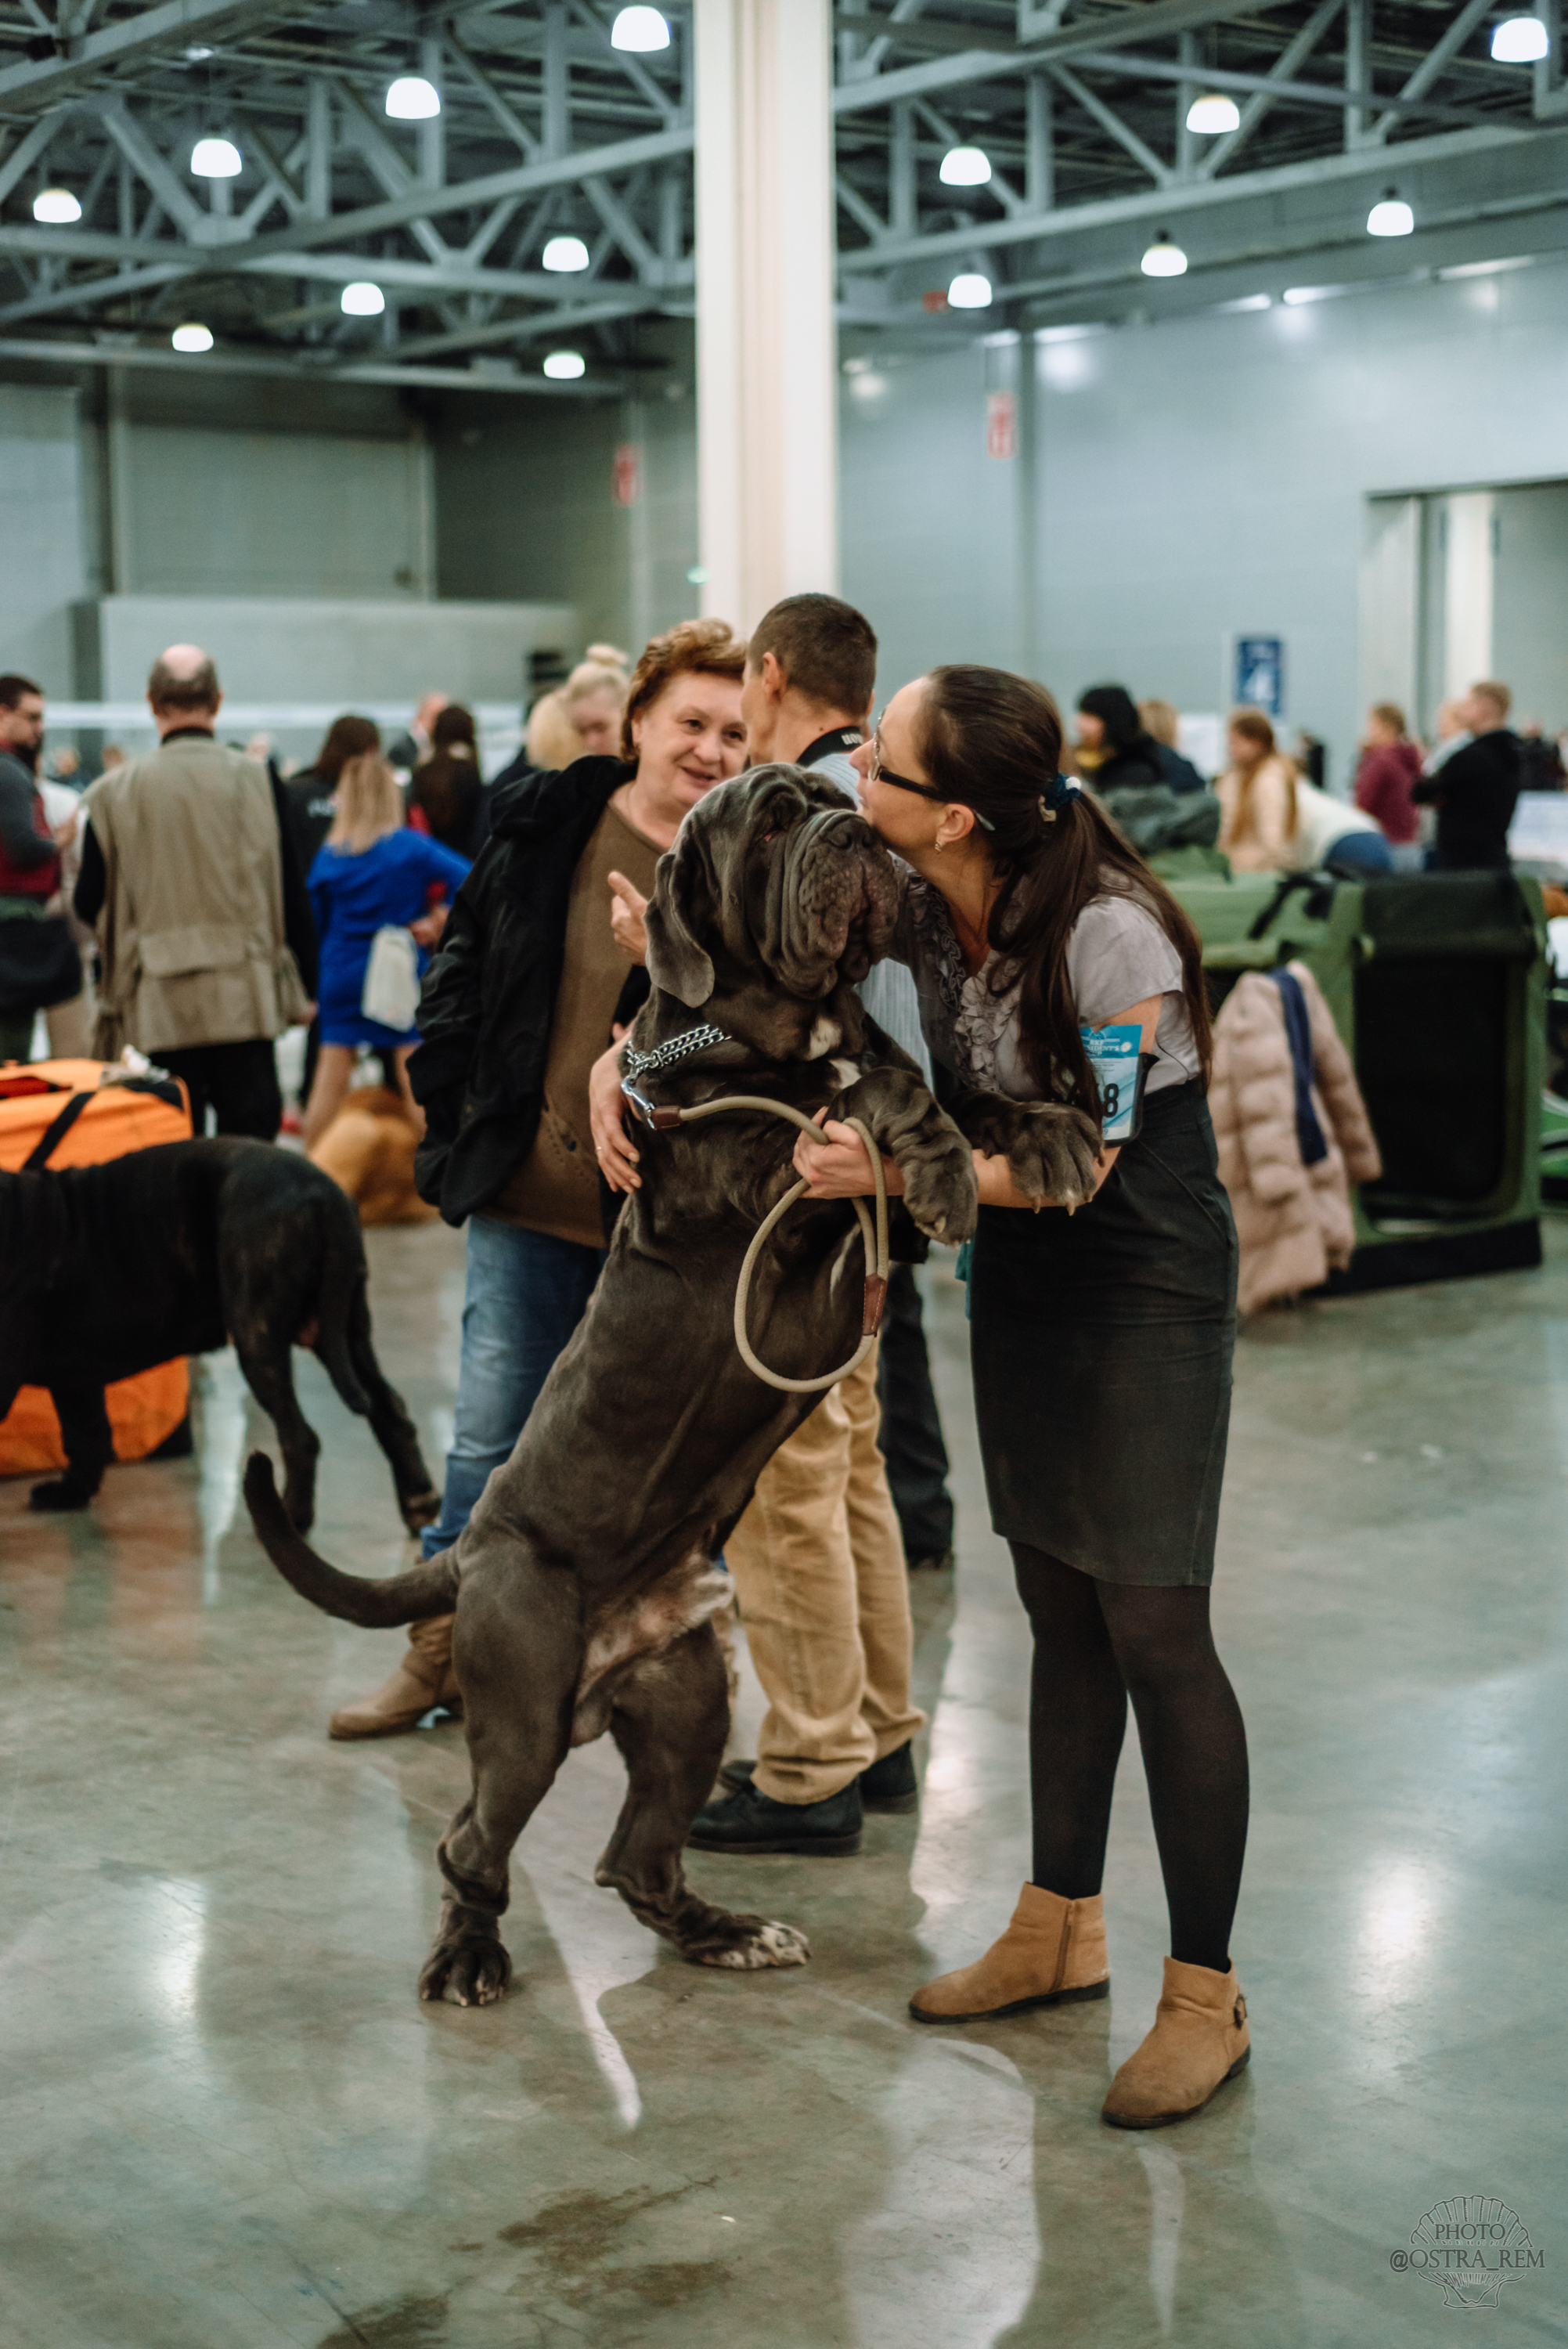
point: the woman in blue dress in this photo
(370, 872)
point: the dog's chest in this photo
(628, 1633)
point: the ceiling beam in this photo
(1274, 89)
(42, 82)
(452, 276)
(1242, 187)
(140, 355)
(1147, 22)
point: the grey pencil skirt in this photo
(1101, 1345)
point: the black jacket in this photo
(488, 998)
(1134, 765)
(1177, 774)
(1474, 792)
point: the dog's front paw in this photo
(65, 1493)
(761, 1942)
(1051, 1150)
(471, 1970)
(939, 1186)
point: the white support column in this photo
(767, 470)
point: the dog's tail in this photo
(428, 1590)
(340, 1298)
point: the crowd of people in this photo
(489, 942)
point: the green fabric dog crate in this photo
(1436, 983)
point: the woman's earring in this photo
(939, 844)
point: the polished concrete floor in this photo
(228, 2125)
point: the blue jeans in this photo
(1362, 852)
(526, 1293)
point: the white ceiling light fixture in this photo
(1390, 216)
(565, 367)
(1164, 259)
(191, 338)
(1520, 41)
(565, 253)
(412, 99)
(1213, 115)
(55, 207)
(361, 299)
(970, 290)
(641, 30)
(215, 158)
(965, 167)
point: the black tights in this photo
(1096, 1644)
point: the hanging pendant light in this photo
(1390, 216)
(55, 207)
(191, 338)
(970, 290)
(1210, 116)
(1163, 258)
(965, 167)
(641, 30)
(361, 299)
(1520, 41)
(565, 253)
(565, 367)
(215, 158)
(412, 99)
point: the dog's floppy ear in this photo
(675, 961)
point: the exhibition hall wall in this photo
(1314, 471)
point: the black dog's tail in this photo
(429, 1589)
(341, 1295)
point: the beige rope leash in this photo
(875, 1241)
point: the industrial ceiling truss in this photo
(546, 208)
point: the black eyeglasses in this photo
(878, 774)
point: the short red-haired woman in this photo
(516, 1007)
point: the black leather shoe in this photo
(750, 1821)
(889, 1785)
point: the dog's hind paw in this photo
(473, 1971)
(65, 1493)
(767, 1943)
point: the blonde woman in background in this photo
(370, 872)
(1257, 798)
(581, 718)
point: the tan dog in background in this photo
(368, 1151)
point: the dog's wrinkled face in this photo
(776, 898)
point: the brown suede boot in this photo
(424, 1677)
(1052, 1953)
(1199, 2040)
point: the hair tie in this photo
(1056, 794)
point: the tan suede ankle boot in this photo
(1199, 2040)
(424, 1677)
(1052, 1953)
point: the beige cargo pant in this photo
(823, 1594)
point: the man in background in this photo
(818, 1558)
(204, 928)
(1475, 788)
(30, 853)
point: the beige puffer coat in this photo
(1293, 1221)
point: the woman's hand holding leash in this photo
(836, 1168)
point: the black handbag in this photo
(39, 963)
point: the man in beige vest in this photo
(203, 924)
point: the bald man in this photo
(203, 924)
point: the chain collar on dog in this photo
(671, 1054)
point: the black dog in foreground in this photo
(106, 1269)
(584, 1582)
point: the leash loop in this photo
(873, 1236)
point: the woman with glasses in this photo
(1101, 1344)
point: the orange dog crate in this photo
(113, 1118)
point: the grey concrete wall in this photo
(44, 567)
(1197, 479)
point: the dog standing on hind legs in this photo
(584, 1583)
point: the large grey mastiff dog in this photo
(584, 1581)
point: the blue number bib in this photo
(1120, 1066)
